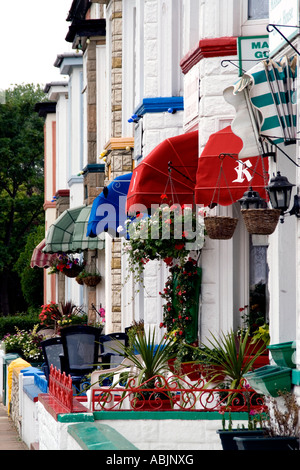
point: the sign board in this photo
(285, 15)
(252, 49)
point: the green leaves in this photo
(149, 358)
(232, 355)
(21, 175)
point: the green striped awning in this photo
(68, 233)
(268, 92)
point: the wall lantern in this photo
(252, 200)
(280, 191)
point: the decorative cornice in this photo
(75, 180)
(49, 205)
(86, 28)
(159, 105)
(62, 193)
(45, 107)
(94, 168)
(213, 47)
(119, 143)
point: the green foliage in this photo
(230, 354)
(149, 358)
(23, 322)
(21, 182)
(26, 343)
(31, 278)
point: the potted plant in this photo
(89, 278)
(228, 434)
(229, 356)
(66, 264)
(135, 328)
(163, 236)
(26, 343)
(187, 359)
(150, 362)
(57, 316)
(281, 428)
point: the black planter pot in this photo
(228, 437)
(267, 443)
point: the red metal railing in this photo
(174, 393)
(60, 388)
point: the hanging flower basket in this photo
(79, 280)
(67, 265)
(92, 281)
(73, 271)
(220, 228)
(261, 221)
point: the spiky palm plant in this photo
(149, 358)
(231, 355)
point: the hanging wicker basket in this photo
(261, 221)
(92, 281)
(220, 228)
(79, 280)
(73, 271)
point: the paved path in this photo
(9, 437)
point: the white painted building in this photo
(179, 55)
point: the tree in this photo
(31, 278)
(21, 185)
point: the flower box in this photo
(228, 438)
(266, 443)
(283, 354)
(270, 380)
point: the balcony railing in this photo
(174, 393)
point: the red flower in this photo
(163, 196)
(168, 260)
(179, 246)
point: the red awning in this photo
(151, 177)
(223, 179)
(40, 259)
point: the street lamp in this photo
(280, 191)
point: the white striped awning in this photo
(265, 103)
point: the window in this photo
(258, 9)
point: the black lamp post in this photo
(252, 200)
(280, 190)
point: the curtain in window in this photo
(265, 103)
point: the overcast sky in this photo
(32, 35)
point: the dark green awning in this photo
(68, 233)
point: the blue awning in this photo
(108, 213)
